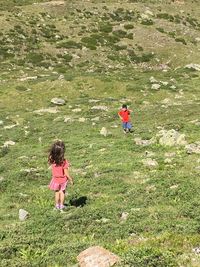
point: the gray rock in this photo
(193, 66)
(193, 148)
(23, 214)
(150, 162)
(9, 143)
(155, 86)
(141, 142)
(97, 257)
(171, 138)
(1, 122)
(104, 108)
(124, 216)
(152, 80)
(104, 131)
(46, 110)
(58, 101)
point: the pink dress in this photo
(59, 179)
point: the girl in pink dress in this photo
(60, 173)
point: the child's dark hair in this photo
(56, 153)
(124, 106)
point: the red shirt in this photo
(125, 115)
(58, 171)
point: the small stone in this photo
(168, 161)
(10, 126)
(23, 214)
(95, 119)
(155, 86)
(150, 162)
(193, 66)
(124, 216)
(193, 148)
(104, 108)
(67, 119)
(141, 142)
(97, 257)
(152, 80)
(46, 110)
(58, 101)
(174, 186)
(76, 110)
(82, 119)
(1, 122)
(9, 143)
(196, 250)
(61, 77)
(104, 131)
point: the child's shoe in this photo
(57, 207)
(62, 207)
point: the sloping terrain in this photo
(135, 194)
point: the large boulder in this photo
(97, 257)
(193, 148)
(171, 138)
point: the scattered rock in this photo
(27, 78)
(97, 257)
(1, 178)
(150, 162)
(82, 119)
(124, 216)
(93, 100)
(196, 250)
(167, 161)
(141, 142)
(149, 154)
(23, 214)
(104, 108)
(58, 101)
(170, 154)
(174, 186)
(155, 86)
(171, 138)
(9, 143)
(193, 148)
(95, 119)
(104, 131)
(46, 110)
(68, 119)
(152, 80)
(52, 3)
(10, 126)
(61, 77)
(193, 66)
(1, 122)
(76, 110)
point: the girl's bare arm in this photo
(68, 176)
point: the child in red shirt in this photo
(124, 115)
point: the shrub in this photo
(69, 44)
(150, 257)
(147, 22)
(20, 88)
(105, 27)
(35, 58)
(160, 30)
(181, 40)
(120, 33)
(128, 26)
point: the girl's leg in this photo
(62, 198)
(57, 198)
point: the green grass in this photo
(112, 66)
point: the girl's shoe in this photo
(57, 206)
(62, 207)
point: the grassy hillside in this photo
(99, 54)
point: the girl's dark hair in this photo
(56, 153)
(124, 106)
